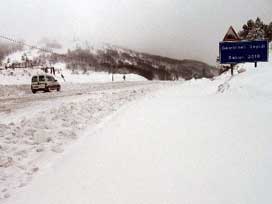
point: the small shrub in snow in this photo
(57, 149)
(34, 170)
(41, 149)
(241, 70)
(6, 162)
(41, 137)
(223, 87)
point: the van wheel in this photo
(58, 89)
(33, 91)
(47, 89)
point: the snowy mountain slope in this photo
(102, 57)
(148, 65)
(22, 76)
(201, 141)
(17, 56)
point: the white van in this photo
(44, 82)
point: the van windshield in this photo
(49, 78)
(34, 79)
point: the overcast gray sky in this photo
(174, 28)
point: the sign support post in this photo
(233, 50)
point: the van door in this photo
(50, 82)
(41, 82)
(35, 82)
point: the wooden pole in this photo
(231, 69)
(112, 78)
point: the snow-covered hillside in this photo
(102, 57)
(201, 141)
(20, 76)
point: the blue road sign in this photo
(243, 51)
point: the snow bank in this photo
(17, 76)
(31, 135)
(90, 76)
(199, 142)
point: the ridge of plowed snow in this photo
(32, 132)
(199, 142)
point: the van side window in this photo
(49, 78)
(41, 78)
(34, 79)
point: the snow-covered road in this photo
(16, 96)
(34, 128)
(199, 142)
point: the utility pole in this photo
(231, 69)
(112, 77)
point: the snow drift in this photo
(199, 142)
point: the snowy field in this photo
(22, 76)
(200, 141)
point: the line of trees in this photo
(256, 30)
(8, 48)
(127, 61)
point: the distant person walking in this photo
(62, 77)
(124, 77)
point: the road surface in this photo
(16, 96)
(36, 127)
(186, 144)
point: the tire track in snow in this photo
(45, 125)
(8, 104)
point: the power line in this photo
(25, 44)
